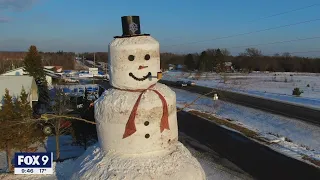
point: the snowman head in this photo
(134, 59)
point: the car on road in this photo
(191, 83)
(181, 83)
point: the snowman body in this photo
(112, 113)
(137, 104)
(113, 109)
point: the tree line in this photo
(12, 60)
(209, 60)
(250, 60)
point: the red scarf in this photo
(131, 127)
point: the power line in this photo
(247, 33)
(286, 12)
(295, 52)
(265, 17)
(276, 42)
(301, 52)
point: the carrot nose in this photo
(142, 67)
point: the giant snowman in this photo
(136, 118)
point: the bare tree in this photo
(225, 52)
(60, 108)
(276, 55)
(251, 52)
(286, 54)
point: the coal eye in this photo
(147, 57)
(131, 57)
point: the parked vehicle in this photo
(48, 126)
(181, 83)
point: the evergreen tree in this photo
(219, 61)
(203, 61)
(25, 104)
(17, 131)
(8, 139)
(189, 62)
(29, 133)
(33, 65)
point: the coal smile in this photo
(140, 79)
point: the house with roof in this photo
(50, 74)
(56, 69)
(15, 83)
(228, 67)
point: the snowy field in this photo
(290, 136)
(63, 171)
(278, 85)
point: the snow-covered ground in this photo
(90, 62)
(63, 171)
(80, 65)
(293, 137)
(278, 85)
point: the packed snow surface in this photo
(176, 164)
(277, 85)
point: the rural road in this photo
(254, 158)
(306, 114)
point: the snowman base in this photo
(177, 164)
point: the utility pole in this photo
(94, 64)
(94, 60)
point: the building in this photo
(56, 69)
(171, 67)
(21, 72)
(94, 71)
(50, 75)
(15, 83)
(228, 67)
(15, 72)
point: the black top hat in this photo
(131, 27)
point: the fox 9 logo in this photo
(33, 160)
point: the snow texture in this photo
(215, 166)
(304, 136)
(276, 86)
(178, 164)
(112, 111)
(120, 66)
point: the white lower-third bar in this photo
(33, 171)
